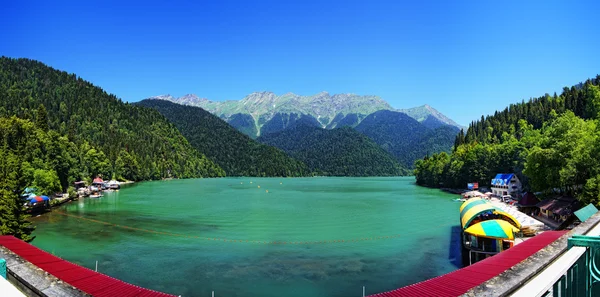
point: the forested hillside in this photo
(404, 137)
(235, 152)
(57, 128)
(119, 132)
(551, 142)
(337, 152)
(30, 155)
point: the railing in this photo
(575, 273)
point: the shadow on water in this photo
(455, 247)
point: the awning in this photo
(499, 229)
(469, 213)
(470, 204)
(34, 199)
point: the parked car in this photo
(507, 198)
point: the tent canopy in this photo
(474, 208)
(470, 204)
(499, 229)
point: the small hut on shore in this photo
(527, 204)
(559, 209)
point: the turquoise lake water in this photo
(261, 236)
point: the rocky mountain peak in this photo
(167, 97)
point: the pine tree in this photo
(42, 118)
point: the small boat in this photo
(113, 184)
(96, 195)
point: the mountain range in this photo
(266, 109)
(407, 134)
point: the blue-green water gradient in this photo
(299, 212)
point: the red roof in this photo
(98, 180)
(460, 281)
(86, 280)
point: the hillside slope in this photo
(338, 152)
(235, 152)
(138, 143)
(404, 137)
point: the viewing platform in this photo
(562, 263)
(39, 273)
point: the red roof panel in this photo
(460, 281)
(86, 280)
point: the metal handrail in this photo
(552, 274)
(541, 283)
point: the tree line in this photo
(552, 143)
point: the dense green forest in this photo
(123, 133)
(235, 152)
(552, 143)
(337, 152)
(404, 137)
(57, 128)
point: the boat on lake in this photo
(113, 185)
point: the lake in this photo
(323, 236)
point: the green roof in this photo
(586, 212)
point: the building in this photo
(506, 184)
(559, 209)
(486, 230)
(528, 204)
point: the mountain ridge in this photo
(323, 106)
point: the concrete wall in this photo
(33, 281)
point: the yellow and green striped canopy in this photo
(474, 207)
(470, 203)
(499, 229)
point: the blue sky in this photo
(464, 58)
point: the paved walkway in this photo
(550, 223)
(525, 220)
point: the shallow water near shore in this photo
(260, 236)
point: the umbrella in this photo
(493, 229)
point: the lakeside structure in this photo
(506, 184)
(554, 263)
(486, 230)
